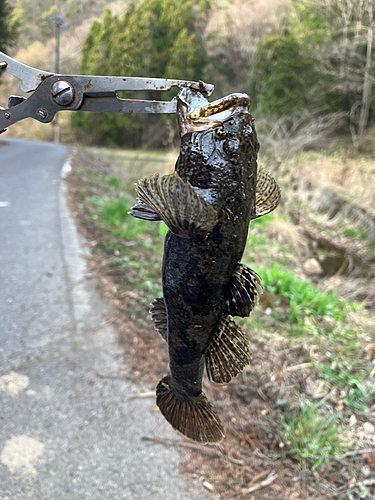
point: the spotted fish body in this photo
(207, 204)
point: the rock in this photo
(312, 267)
(352, 420)
(369, 427)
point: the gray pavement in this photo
(67, 430)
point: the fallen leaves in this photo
(370, 457)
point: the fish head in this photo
(196, 114)
(215, 136)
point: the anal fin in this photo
(228, 352)
(267, 194)
(184, 211)
(244, 291)
(159, 317)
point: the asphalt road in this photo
(67, 430)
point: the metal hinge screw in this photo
(62, 93)
(42, 113)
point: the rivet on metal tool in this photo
(42, 113)
(62, 93)
(3, 64)
(7, 116)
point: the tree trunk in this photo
(366, 93)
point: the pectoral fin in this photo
(159, 317)
(267, 194)
(228, 352)
(244, 291)
(141, 211)
(183, 210)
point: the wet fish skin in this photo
(221, 166)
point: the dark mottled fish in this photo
(207, 204)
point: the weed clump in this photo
(304, 298)
(356, 389)
(115, 219)
(313, 437)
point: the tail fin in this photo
(194, 417)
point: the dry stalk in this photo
(357, 452)
(205, 451)
(262, 484)
(141, 395)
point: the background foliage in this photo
(322, 59)
(317, 59)
(160, 38)
(10, 24)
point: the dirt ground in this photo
(252, 462)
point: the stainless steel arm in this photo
(53, 93)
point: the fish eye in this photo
(231, 146)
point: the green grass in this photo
(131, 242)
(115, 219)
(255, 238)
(162, 230)
(354, 233)
(357, 389)
(313, 437)
(304, 298)
(112, 181)
(261, 222)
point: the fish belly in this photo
(193, 289)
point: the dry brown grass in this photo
(246, 20)
(353, 174)
(285, 232)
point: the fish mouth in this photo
(221, 109)
(199, 114)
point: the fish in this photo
(207, 204)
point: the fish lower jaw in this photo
(212, 121)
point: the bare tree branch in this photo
(283, 136)
(346, 59)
